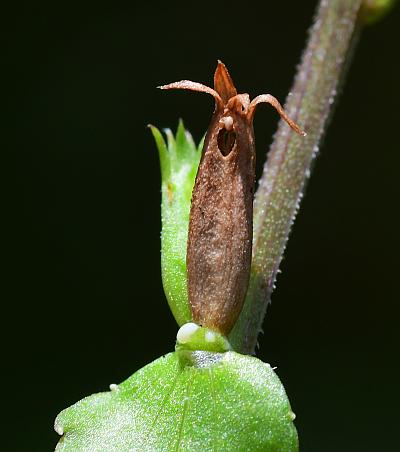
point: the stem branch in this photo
(287, 168)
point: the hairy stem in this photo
(287, 168)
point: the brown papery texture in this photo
(221, 222)
(221, 216)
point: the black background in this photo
(84, 305)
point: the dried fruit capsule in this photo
(221, 215)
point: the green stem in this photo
(287, 168)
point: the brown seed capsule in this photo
(221, 215)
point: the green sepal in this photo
(214, 402)
(179, 160)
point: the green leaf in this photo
(192, 401)
(179, 159)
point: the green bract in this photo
(196, 401)
(179, 160)
(201, 397)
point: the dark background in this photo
(84, 305)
